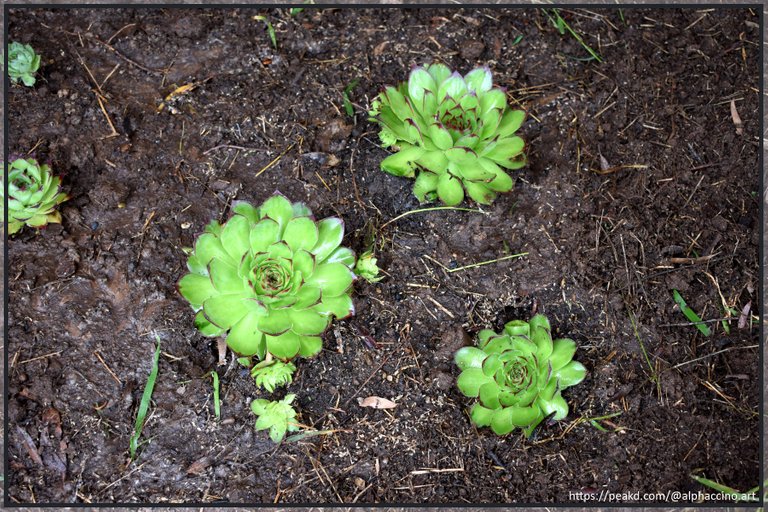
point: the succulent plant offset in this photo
(271, 279)
(278, 417)
(367, 268)
(23, 63)
(455, 132)
(33, 195)
(274, 373)
(518, 375)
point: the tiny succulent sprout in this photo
(271, 280)
(455, 134)
(23, 63)
(518, 375)
(33, 195)
(272, 374)
(277, 416)
(366, 267)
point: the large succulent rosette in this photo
(455, 133)
(33, 195)
(271, 278)
(518, 375)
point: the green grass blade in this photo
(598, 426)
(737, 495)
(296, 10)
(347, 103)
(145, 399)
(270, 29)
(216, 401)
(691, 314)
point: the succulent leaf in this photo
(518, 375)
(271, 279)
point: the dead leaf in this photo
(744, 317)
(199, 466)
(380, 48)
(736, 119)
(376, 402)
(604, 165)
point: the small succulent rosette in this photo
(33, 195)
(23, 63)
(271, 279)
(518, 376)
(454, 133)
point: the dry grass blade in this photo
(421, 210)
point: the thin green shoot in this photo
(347, 102)
(726, 322)
(144, 404)
(690, 314)
(216, 401)
(561, 25)
(434, 208)
(517, 39)
(594, 421)
(296, 10)
(488, 262)
(621, 16)
(270, 29)
(750, 495)
(598, 426)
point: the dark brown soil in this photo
(639, 183)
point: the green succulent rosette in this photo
(518, 375)
(33, 195)
(454, 133)
(23, 63)
(271, 279)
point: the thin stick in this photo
(273, 162)
(109, 41)
(435, 208)
(712, 355)
(41, 357)
(93, 79)
(127, 59)
(441, 307)
(112, 126)
(473, 265)
(230, 146)
(117, 66)
(96, 353)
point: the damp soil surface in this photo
(641, 181)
